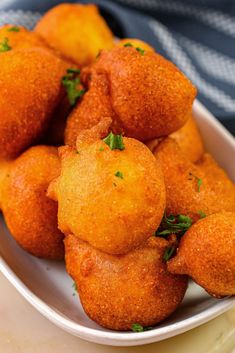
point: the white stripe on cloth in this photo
(210, 17)
(210, 61)
(27, 19)
(181, 59)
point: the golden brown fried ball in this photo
(190, 189)
(148, 95)
(19, 37)
(30, 215)
(30, 89)
(211, 244)
(114, 199)
(188, 138)
(76, 31)
(136, 43)
(118, 291)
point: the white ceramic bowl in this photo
(49, 289)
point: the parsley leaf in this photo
(115, 142)
(173, 225)
(71, 82)
(119, 174)
(74, 286)
(168, 253)
(140, 50)
(13, 29)
(128, 45)
(4, 46)
(199, 181)
(201, 214)
(139, 328)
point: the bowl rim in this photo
(116, 338)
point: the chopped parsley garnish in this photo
(198, 180)
(4, 46)
(74, 286)
(173, 225)
(168, 253)
(101, 149)
(119, 174)
(140, 50)
(128, 45)
(115, 142)
(13, 29)
(139, 328)
(71, 82)
(201, 214)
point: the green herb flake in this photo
(198, 180)
(4, 46)
(71, 82)
(173, 225)
(13, 29)
(199, 183)
(119, 174)
(168, 253)
(74, 286)
(140, 50)
(201, 214)
(128, 45)
(140, 328)
(115, 142)
(101, 149)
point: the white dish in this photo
(49, 289)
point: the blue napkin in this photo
(197, 35)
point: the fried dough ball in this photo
(76, 31)
(136, 43)
(211, 244)
(148, 95)
(118, 291)
(30, 215)
(113, 199)
(188, 138)
(18, 37)
(191, 189)
(30, 89)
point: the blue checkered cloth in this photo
(197, 35)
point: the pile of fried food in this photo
(131, 199)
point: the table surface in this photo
(24, 330)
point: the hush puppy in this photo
(110, 193)
(30, 89)
(148, 95)
(30, 215)
(211, 244)
(119, 291)
(76, 31)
